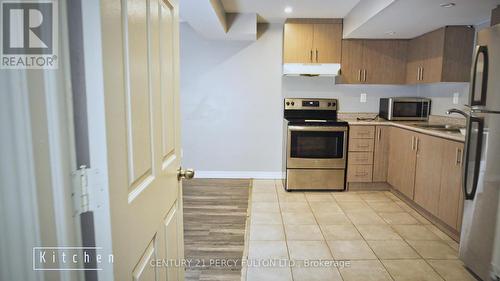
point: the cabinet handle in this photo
(379, 133)
(421, 73)
(316, 55)
(311, 55)
(362, 159)
(416, 144)
(361, 174)
(364, 75)
(363, 145)
(359, 75)
(458, 161)
(412, 143)
(418, 73)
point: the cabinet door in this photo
(298, 43)
(352, 61)
(384, 61)
(327, 42)
(402, 159)
(450, 195)
(381, 153)
(433, 56)
(415, 60)
(428, 172)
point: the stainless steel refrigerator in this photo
(480, 235)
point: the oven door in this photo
(312, 147)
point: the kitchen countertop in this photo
(409, 125)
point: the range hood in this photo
(311, 69)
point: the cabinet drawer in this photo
(361, 145)
(359, 173)
(362, 132)
(363, 158)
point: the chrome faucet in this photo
(454, 110)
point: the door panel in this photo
(433, 56)
(402, 161)
(352, 61)
(140, 42)
(385, 61)
(138, 98)
(143, 270)
(167, 79)
(327, 42)
(298, 43)
(415, 60)
(381, 154)
(428, 172)
(171, 231)
(450, 196)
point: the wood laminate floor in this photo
(215, 214)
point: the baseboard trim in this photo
(238, 175)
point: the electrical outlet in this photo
(362, 98)
(456, 96)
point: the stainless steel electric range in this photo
(315, 145)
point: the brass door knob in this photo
(185, 174)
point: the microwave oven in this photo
(405, 109)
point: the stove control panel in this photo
(310, 104)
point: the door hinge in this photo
(88, 191)
(81, 190)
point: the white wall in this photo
(232, 102)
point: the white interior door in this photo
(140, 41)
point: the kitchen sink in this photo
(441, 127)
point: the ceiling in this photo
(273, 10)
(410, 18)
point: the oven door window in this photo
(408, 109)
(316, 145)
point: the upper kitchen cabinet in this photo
(443, 55)
(374, 61)
(312, 41)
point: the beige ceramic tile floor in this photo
(381, 237)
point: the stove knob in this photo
(293, 103)
(329, 104)
(287, 103)
(333, 104)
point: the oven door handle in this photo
(317, 128)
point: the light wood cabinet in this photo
(298, 43)
(362, 132)
(312, 41)
(402, 161)
(450, 194)
(381, 153)
(385, 61)
(374, 61)
(352, 62)
(359, 173)
(443, 55)
(361, 145)
(428, 172)
(360, 157)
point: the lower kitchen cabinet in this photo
(450, 194)
(381, 153)
(428, 172)
(402, 160)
